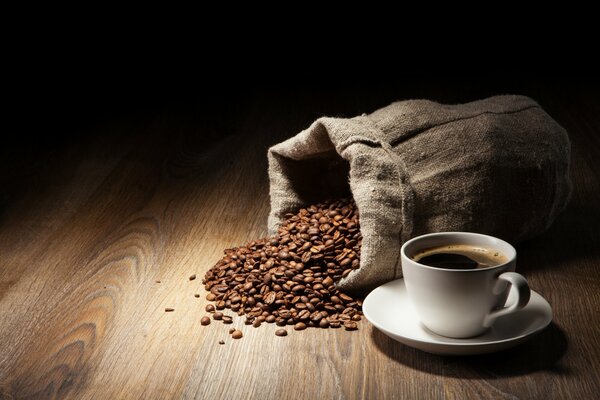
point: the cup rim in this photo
(511, 258)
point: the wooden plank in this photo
(159, 198)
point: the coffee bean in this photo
(281, 332)
(168, 309)
(324, 323)
(192, 277)
(227, 319)
(209, 308)
(300, 326)
(290, 278)
(205, 321)
(237, 334)
(221, 342)
(256, 323)
(350, 325)
(231, 330)
(218, 316)
(304, 315)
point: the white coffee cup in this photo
(461, 303)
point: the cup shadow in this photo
(540, 353)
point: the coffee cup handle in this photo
(519, 282)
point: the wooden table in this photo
(88, 225)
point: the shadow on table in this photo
(540, 353)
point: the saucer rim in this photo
(514, 339)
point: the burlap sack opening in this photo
(498, 166)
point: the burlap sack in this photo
(498, 166)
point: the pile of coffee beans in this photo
(289, 279)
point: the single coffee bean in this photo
(168, 309)
(300, 326)
(270, 319)
(211, 297)
(281, 332)
(350, 325)
(192, 277)
(209, 308)
(324, 323)
(256, 323)
(218, 316)
(237, 334)
(205, 321)
(221, 342)
(227, 319)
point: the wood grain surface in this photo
(87, 229)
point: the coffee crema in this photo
(460, 256)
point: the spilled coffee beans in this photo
(289, 279)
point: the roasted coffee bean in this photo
(290, 278)
(324, 323)
(350, 325)
(231, 330)
(192, 277)
(256, 323)
(209, 308)
(218, 316)
(281, 332)
(168, 309)
(300, 326)
(205, 321)
(221, 342)
(227, 319)
(237, 334)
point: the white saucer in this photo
(391, 311)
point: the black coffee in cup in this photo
(460, 256)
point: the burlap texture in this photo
(498, 166)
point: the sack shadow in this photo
(541, 353)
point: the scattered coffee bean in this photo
(157, 281)
(209, 308)
(231, 330)
(350, 325)
(281, 332)
(290, 279)
(300, 326)
(205, 321)
(218, 316)
(168, 309)
(236, 334)
(227, 319)
(192, 277)
(221, 342)
(196, 295)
